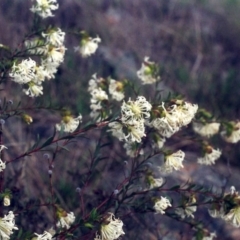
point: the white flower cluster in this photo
(153, 182)
(161, 205)
(29, 73)
(7, 225)
(173, 118)
(44, 8)
(131, 128)
(98, 88)
(2, 164)
(148, 72)
(88, 46)
(111, 228)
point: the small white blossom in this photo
(98, 95)
(69, 124)
(161, 205)
(153, 182)
(135, 110)
(210, 156)
(6, 201)
(88, 46)
(233, 216)
(55, 54)
(7, 225)
(66, 221)
(135, 131)
(33, 90)
(2, 165)
(54, 37)
(115, 89)
(146, 72)
(186, 212)
(234, 135)
(44, 8)
(173, 162)
(206, 130)
(45, 236)
(111, 228)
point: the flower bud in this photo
(6, 201)
(27, 118)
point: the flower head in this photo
(231, 133)
(161, 205)
(148, 72)
(54, 37)
(68, 123)
(173, 162)
(211, 155)
(116, 90)
(135, 110)
(7, 225)
(111, 228)
(65, 219)
(44, 8)
(88, 46)
(206, 130)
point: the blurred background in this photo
(195, 42)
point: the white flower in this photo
(135, 110)
(69, 124)
(66, 221)
(7, 225)
(111, 228)
(44, 8)
(54, 37)
(161, 205)
(33, 90)
(115, 89)
(50, 68)
(45, 236)
(186, 212)
(153, 182)
(55, 54)
(2, 164)
(210, 156)
(88, 46)
(206, 130)
(173, 162)
(98, 95)
(135, 131)
(233, 216)
(23, 72)
(128, 132)
(166, 126)
(234, 135)
(185, 112)
(146, 72)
